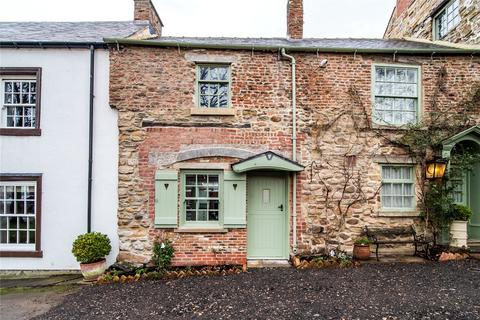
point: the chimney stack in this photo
(402, 5)
(295, 19)
(144, 10)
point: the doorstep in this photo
(268, 263)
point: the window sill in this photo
(398, 214)
(200, 230)
(20, 132)
(212, 112)
(390, 126)
(21, 254)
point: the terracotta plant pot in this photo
(91, 271)
(361, 251)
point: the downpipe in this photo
(294, 146)
(90, 140)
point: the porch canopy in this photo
(267, 161)
(471, 134)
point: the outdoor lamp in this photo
(435, 169)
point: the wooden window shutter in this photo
(235, 200)
(166, 199)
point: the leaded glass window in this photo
(18, 214)
(398, 187)
(213, 86)
(395, 95)
(447, 19)
(201, 194)
(19, 103)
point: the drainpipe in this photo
(90, 140)
(294, 146)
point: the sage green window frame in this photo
(411, 181)
(198, 81)
(419, 98)
(183, 210)
(435, 20)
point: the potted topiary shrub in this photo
(459, 216)
(90, 249)
(361, 248)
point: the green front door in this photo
(267, 218)
(474, 197)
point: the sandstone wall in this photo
(153, 89)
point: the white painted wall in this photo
(61, 153)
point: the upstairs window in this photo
(396, 92)
(213, 86)
(20, 101)
(446, 20)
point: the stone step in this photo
(267, 263)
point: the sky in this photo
(230, 18)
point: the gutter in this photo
(52, 44)
(294, 146)
(289, 48)
(90, 140)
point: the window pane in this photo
(22, 223)
(31, 237)
(3, 223)
(408, 202)
(9, 207)
(190, 192)
(3, 236)
(16, 86)
(22, 237)
(20, 207)
(204, 73)
(387, 189)
(397, 189)
(397, 202)
(30, 207)
(31, 193)
(203, 205)
(380, 74)
(213, 215)
(213, 192)
(190, 180)
(12, 236)
(387, 202)
(8, 87)
(31, 223)
(191, 215)
(10, 192)
(202, 215)
(213, 204)
(191, 204)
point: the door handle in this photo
(280, 207)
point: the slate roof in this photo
(69, 32)
(345, 43)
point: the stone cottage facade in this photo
(225, 153)
(455, 21)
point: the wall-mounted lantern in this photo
(435, 169)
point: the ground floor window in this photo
(20, 206)
(398, 187)
(201, 194)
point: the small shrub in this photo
(460, 212)
(91, 247)
(363, 241)
(163, 252)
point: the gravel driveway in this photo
(377, 291)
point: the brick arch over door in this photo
(214, 152)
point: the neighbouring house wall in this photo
(414, 20)
(154, 90)
(61, 153)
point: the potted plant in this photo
(459, 217)
(90, 249)
(361, 248)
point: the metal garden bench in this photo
(381, 236)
